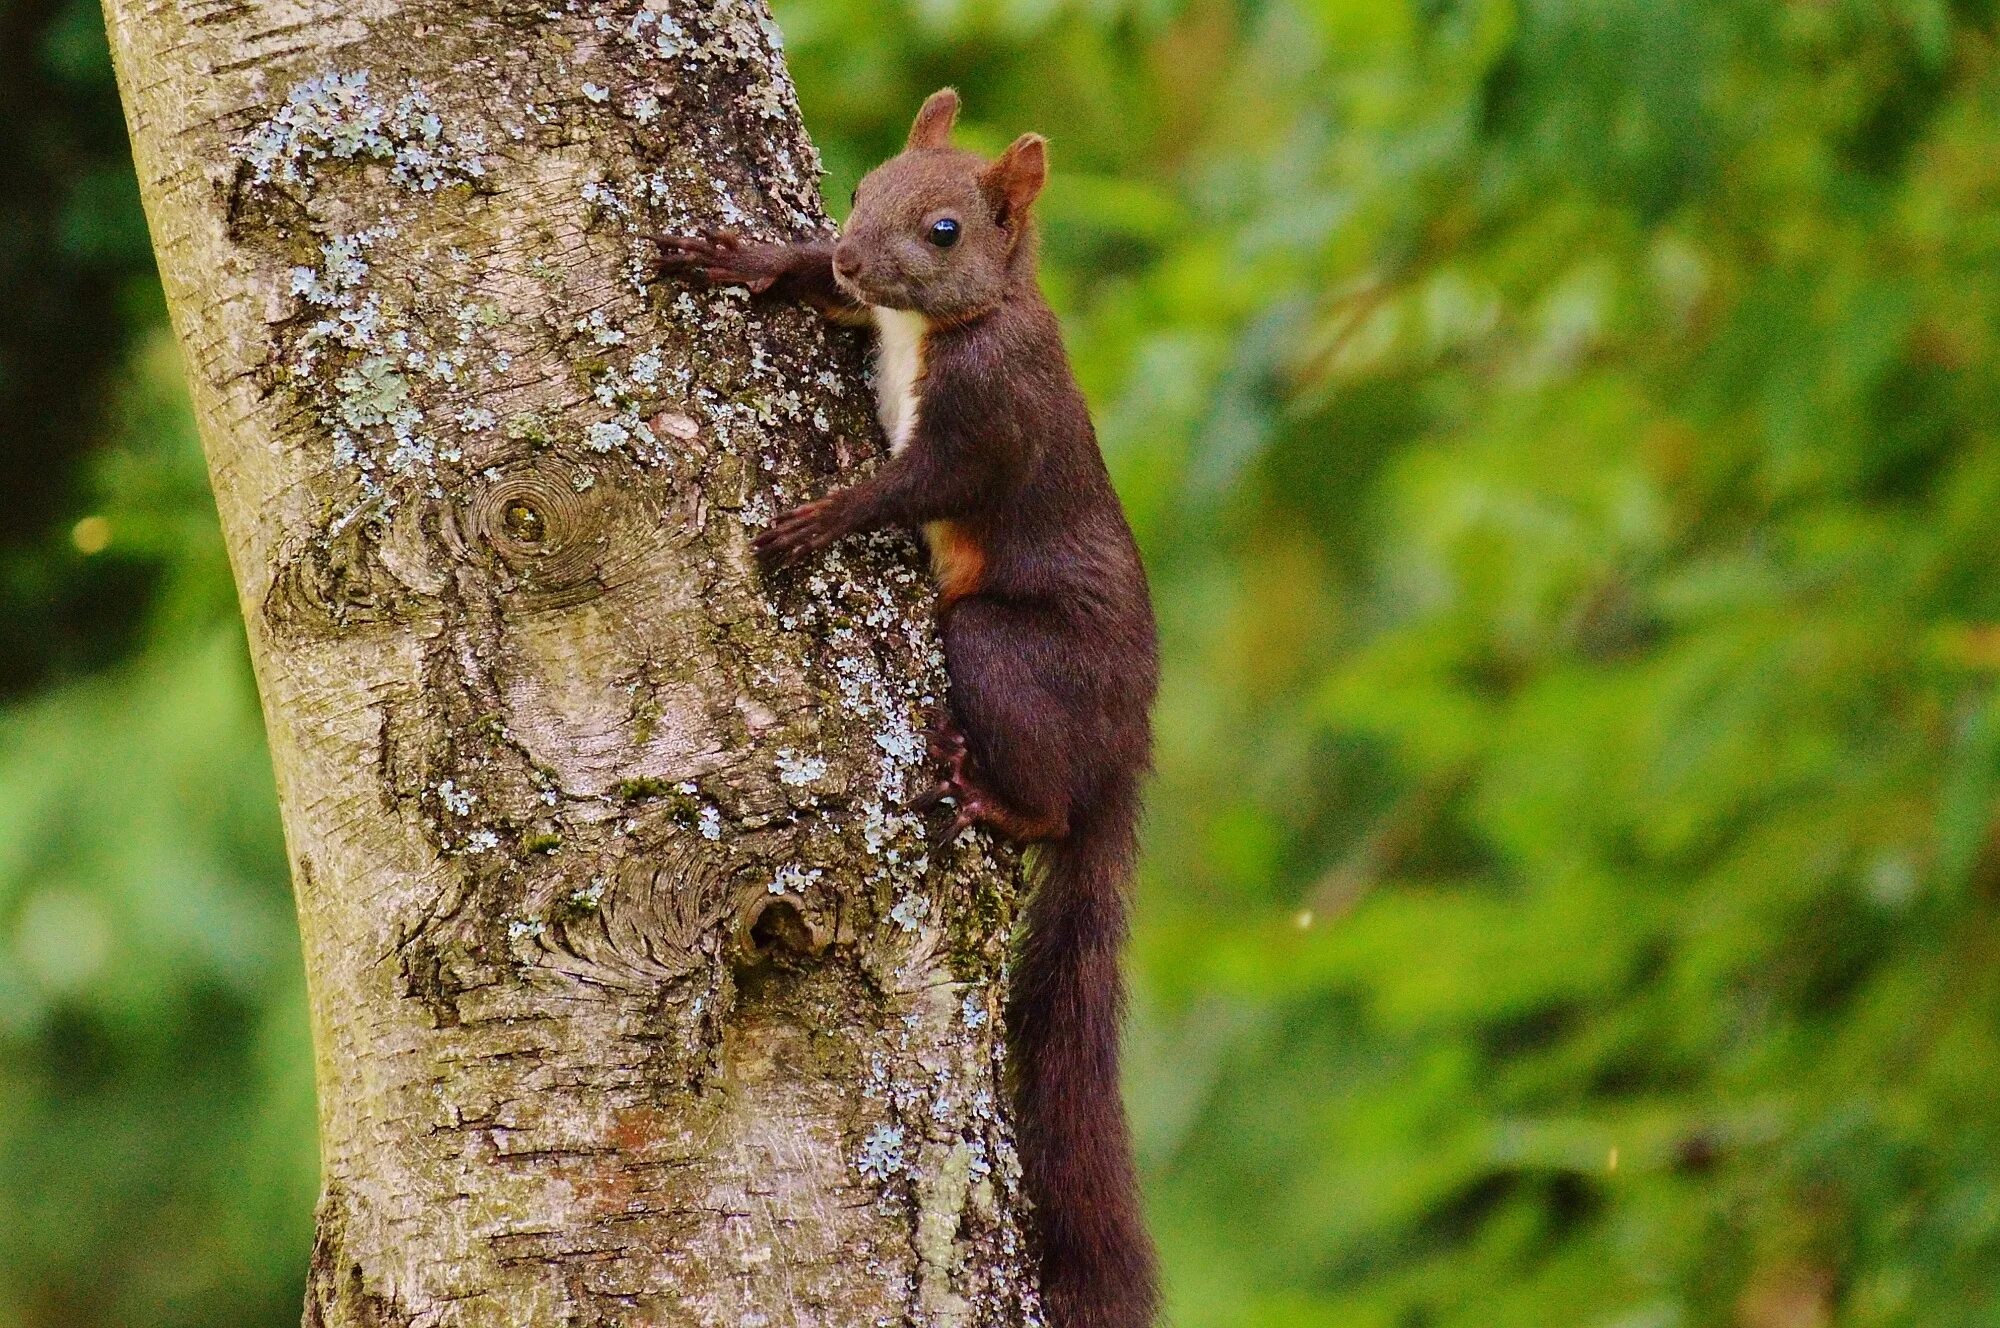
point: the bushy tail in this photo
(1076, 1149)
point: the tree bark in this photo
(636, 996)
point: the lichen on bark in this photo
(637, 995)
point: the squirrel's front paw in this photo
(799, 532)
(724, 258)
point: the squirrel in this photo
(1049, 639)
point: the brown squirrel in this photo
(1048, 632)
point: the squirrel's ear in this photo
(1012, 182)
(934, 121)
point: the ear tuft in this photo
(934, 121)
(1013, 182)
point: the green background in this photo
(1563, 436)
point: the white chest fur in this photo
(899, 366)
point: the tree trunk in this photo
(636, 996)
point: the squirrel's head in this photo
(937, 229)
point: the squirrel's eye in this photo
(944, 233)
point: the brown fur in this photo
(1048, 634)
(957, 560)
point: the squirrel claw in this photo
(927, 801)
(718, 256)
(947, 743)
(968, 816)
(801, 531)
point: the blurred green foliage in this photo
(1563, 435)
